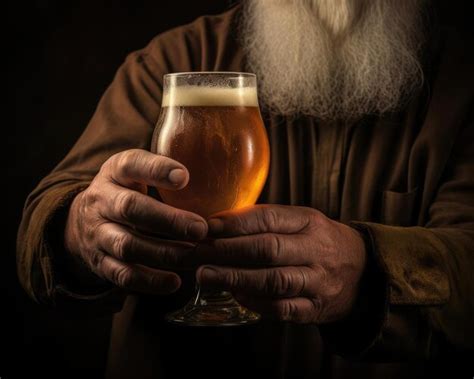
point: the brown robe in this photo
(405, 179)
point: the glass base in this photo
(213, 309)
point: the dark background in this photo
(61, 56)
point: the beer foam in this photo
(210, 96)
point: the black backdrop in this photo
(61, 56)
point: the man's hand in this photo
(290, 263)
(127, 237)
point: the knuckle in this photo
(83, 208)
(278, 283)
(261, 218)
(271, 248)
(88, 232)
(125, 203)
(167, 256)
(300, 280)
(123, 277)
(316, 218)
(159, 168)
(285, 311)
(118, 161)
(95, 261)
(122, 246)
(269, 219)
(240, 224)
(154, 281)
(130, 155)
(126, 161)
(233, 278)
(109, 163)
(90, 196)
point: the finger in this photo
(131, 247)
(138, 278)
(150, 215)
(268, 249)
(276, 282)
(140, 166)
(297, 309)
(260, 219)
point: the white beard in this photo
(333, 59)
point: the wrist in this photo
(357, 246)
(367, 313)
(70, 233)
(368, 270)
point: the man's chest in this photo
(349, 171)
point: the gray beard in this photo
(333, 59)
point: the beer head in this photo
(188, 96)
(210, 89)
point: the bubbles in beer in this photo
(218, 134)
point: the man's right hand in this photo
(127, 237)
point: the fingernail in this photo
(197, 229)
(216, 225)
(176, 176)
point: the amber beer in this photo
(218, 134)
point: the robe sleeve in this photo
(418, 299)
(124, 119)
(429, 269)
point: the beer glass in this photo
(211, 123)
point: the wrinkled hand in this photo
(290, 263)
(127, 237)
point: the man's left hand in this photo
(286, 262)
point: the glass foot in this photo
(213, 309)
